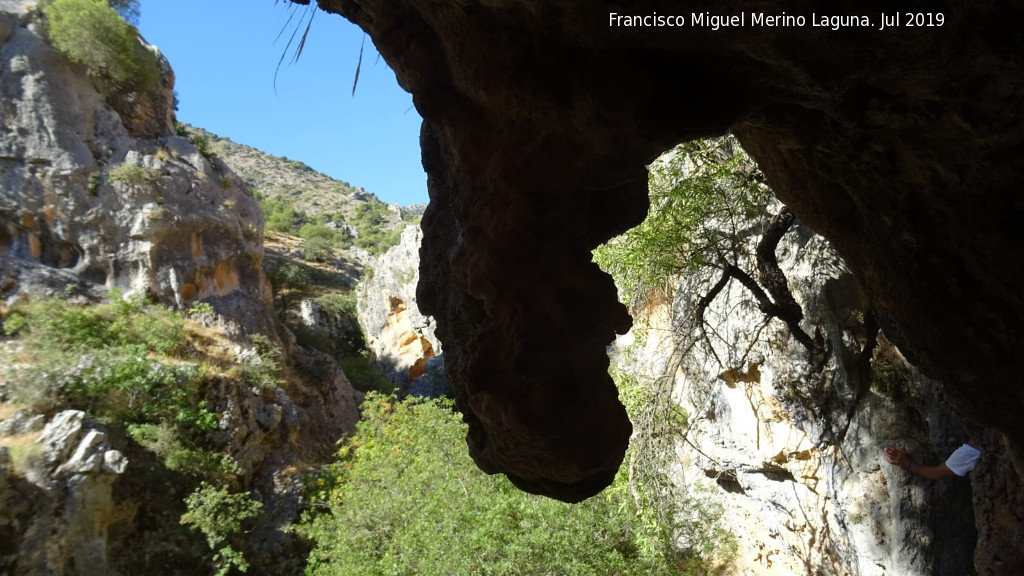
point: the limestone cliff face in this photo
(47, 493)
(84, 201)
(98, 193)
(400, 337)
(795, 457)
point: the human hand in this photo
(897, 456)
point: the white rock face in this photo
(797, 461)
(400, 338)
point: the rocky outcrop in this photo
(901, 146)
(88, 200)
(97, 193)
(794, 454)
(400, 338)
(57, 499)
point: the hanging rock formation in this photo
(903, 147)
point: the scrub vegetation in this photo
(403, 497)
(94, 34)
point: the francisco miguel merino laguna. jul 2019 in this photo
(883, 21)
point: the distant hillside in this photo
(281, 177)
(298, 200)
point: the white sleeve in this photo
(963, 459)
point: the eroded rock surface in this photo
(90, 199)
(400, 337)
(902, 147)
(57, 501)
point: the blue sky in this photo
(224, 55)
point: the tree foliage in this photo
(706, 199)
(220, 515)
(92, 33)
(405, 498)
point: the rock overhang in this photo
(902, 146)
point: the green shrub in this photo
(339, 303)
(134, 175)
(405, 498)
(281, 216)
(364, 376)
(220, 516)
(262, 369)
(318, 249)
(93, 34)
(112, 361)
(369, 219)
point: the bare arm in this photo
(899, 457)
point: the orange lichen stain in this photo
(801, 455)
(419, 367)
(50, 213)
(225, 278)
(397, 305)
(188, 291)
(35, 246)
(197, 246)
(407, 338)
(734, 375)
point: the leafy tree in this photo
(92, 33)
(709, 216)
(405, 498)
(707, 199)
(318, 249)
(220, 516)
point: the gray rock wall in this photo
(56, 501)
(86, 203)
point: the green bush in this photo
(262, 369)
(93, 34)
(281, 216)
(318, 249)
(134, 175)
(370, 217)
(405, 498)
(220, 516)
(364, 376)
(113, 361)
(339, 303)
